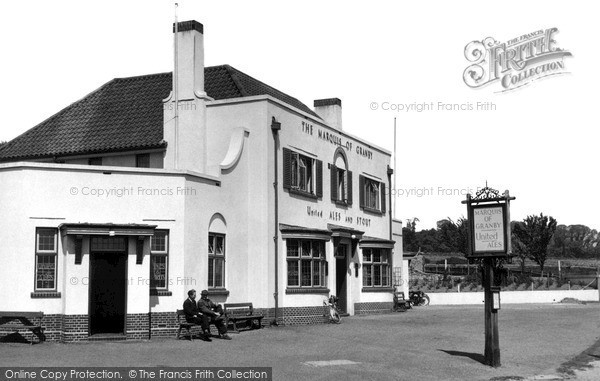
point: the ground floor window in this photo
(306, 265)
(46, 249)
(216, 260)
(376, 269)
(159, 255)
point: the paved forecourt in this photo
(425, 343)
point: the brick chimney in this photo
(330, 110)
(186, 133)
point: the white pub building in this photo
(120, 203)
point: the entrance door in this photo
(108, 272)
(341, 267)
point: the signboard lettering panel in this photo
(488, 229)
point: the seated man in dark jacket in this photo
(214, 314)
(193, 315)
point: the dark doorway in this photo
(108, 273)
(341, 266)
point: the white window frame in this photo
(215, 257)
(160, 253)
(376, 186)
(310, 258)
(342, 183)
(302, 163)
(384, 263)
(46, 253)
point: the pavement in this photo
(537, 342)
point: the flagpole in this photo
(175, 91)
(395, 172)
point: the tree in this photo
(535, 233)
(452, 236)
(409, 235)
(578, 241)
(517, 245)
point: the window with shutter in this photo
(361, 190)
(334, 185)
(383, 196)
(302, 174)
(287, 168)
(319, 177)
(372, 195)
(339, 179)
(349, 187)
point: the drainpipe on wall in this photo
(390, 171)
(275, 127)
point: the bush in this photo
(456, 261)
(518, 278)
(474, 277)
(523, 286)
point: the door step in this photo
(107, 337)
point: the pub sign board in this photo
(488, 224)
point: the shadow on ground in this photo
(581, 361)
(473, 356)
(14, 338)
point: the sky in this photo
(539, 141)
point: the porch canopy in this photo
(76, 232)
(299, 232)
(375, 243)
(344, 232)
(109, 229)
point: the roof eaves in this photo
(65, 154)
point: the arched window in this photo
(217, 232)
(341, 179)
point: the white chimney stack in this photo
(185, 130)
(330, 110)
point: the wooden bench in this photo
(24, 323)
(184, 324)
(236, 312)
(401, 304)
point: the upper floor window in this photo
(46, 252)
(95, 161)
(341, 181)
(302, 174)
(372, 194)
(142, 160)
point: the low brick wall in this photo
(164, 324)
(73, 328)
(137, 326)
(303, 315)
(373, 308)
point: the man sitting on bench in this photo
(192, 315)
(213, 313)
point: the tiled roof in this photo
(126, 114)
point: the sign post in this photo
(488, 215)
